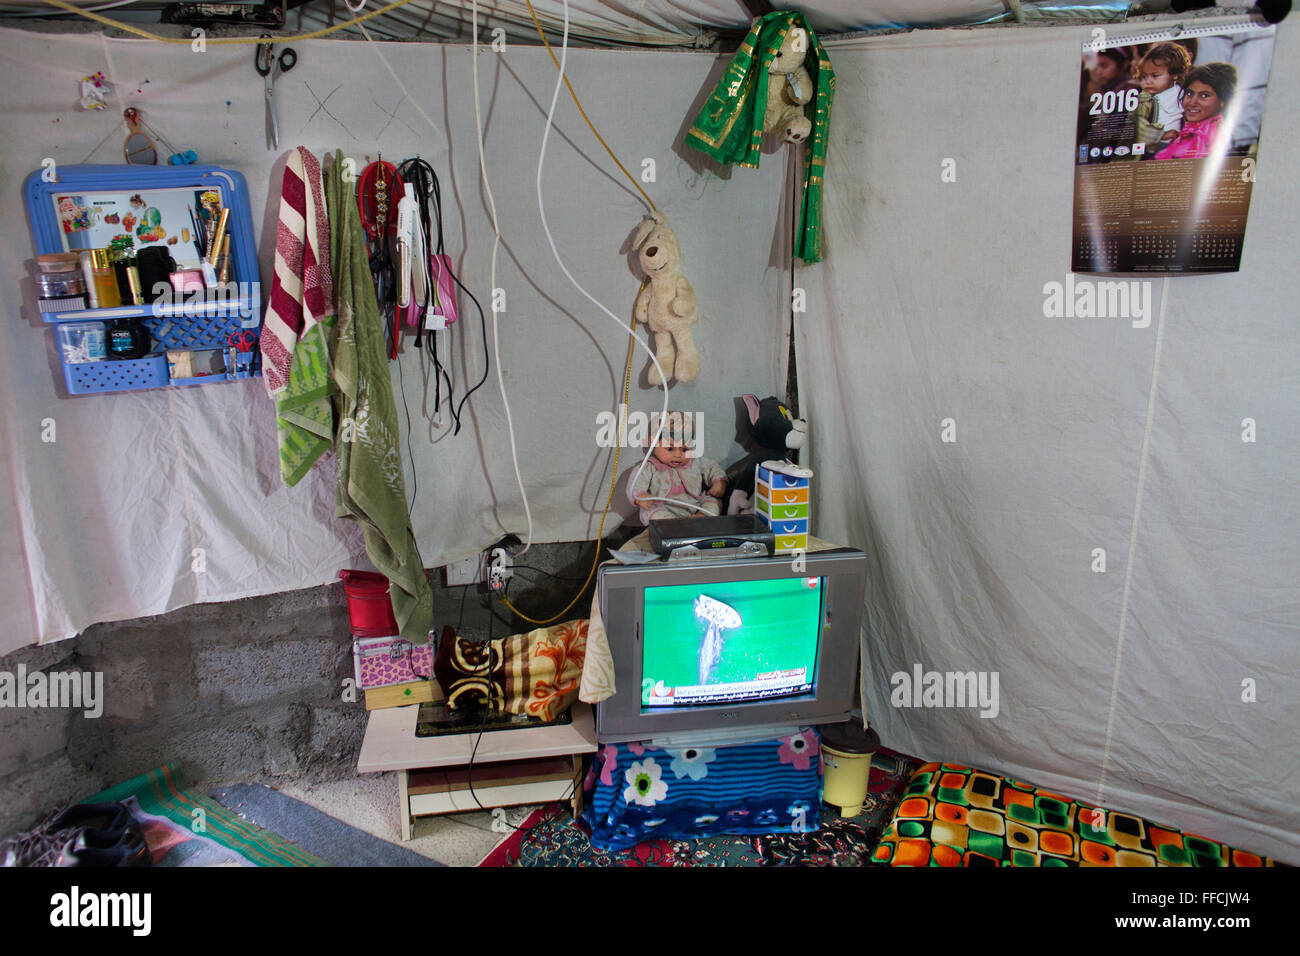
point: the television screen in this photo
(730, 641)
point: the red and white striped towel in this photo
(302, 292)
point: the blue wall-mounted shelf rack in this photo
(185, 320)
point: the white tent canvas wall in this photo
(1164, 685)
(1167, 682)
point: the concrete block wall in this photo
(248, 690)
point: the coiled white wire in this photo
(496, 241)
(541, 208)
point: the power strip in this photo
(499, 569)
(498, 562)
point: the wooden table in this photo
(509, 767)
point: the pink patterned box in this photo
(383, 661)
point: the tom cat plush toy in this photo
(774, 434)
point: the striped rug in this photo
(185, 828)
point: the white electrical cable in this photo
(676, 501)
(541, 208)
(496, 241)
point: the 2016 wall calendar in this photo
(1166, 147)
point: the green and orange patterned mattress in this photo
(956, 816)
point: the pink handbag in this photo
(383, 661)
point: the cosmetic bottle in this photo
(105, 280)
(122, 255)
(88, 275)
(128, 339)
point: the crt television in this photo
(731, 646)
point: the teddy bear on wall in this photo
(666, 304)
(789, 87)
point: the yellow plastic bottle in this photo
(105, 278)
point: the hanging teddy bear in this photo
(666, 303)
(789, 87)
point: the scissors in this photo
(241, 343)
(269, 66)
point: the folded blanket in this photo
(299, 321)
(370, 487)
(636, 792)
(535, 674)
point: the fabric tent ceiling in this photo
(648, 23)
(673, 22)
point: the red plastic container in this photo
(370, 610)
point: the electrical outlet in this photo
(465, 571)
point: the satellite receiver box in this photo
(726, 536)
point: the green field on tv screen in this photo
(731, 632)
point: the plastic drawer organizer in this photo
(782, 501)
(87, 206)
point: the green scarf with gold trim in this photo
(730, 127)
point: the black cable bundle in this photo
(428, 196)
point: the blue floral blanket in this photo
(636, 793)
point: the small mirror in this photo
(139, 148)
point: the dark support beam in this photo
(757, 8)
(1274, 11)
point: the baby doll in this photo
(677, 482)
(1159, 73)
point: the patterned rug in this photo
(550, 837)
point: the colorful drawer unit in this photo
(782, 501)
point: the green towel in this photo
(303, 413)
(370, 487)
(730, 126)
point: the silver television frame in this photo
(621, 590)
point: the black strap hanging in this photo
(428, 196)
